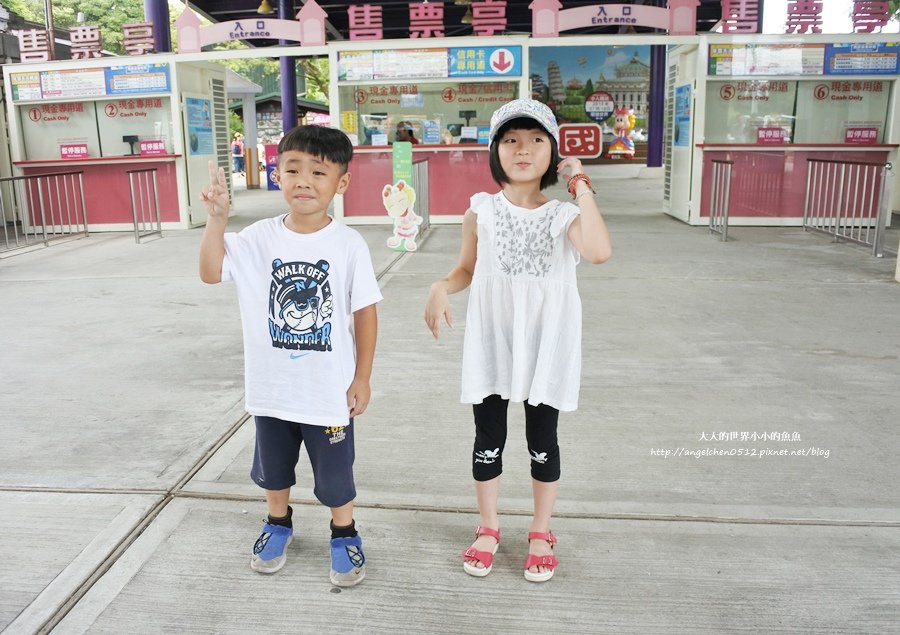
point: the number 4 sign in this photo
(582, 140)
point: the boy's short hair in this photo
(523, 123)
(320, 141)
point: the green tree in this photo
(588, 87)
(109, 15)
(235, 123)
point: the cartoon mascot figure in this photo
(622, 146)
(398, 201)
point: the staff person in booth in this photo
(523, 325)
(405, 133)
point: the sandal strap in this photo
(484, 557)
(539, 535)
(487, 531)
(534, 560)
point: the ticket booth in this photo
(442, 97)
(768, 107)
(108, 116)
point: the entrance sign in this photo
(308, 29)
(548, 19)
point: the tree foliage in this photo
(110, 15)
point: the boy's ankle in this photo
(347, 531)
(283, 521)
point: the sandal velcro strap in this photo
(484, 557)
(541, 561)
(487, 531)
(539, 535)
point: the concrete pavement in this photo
(765, 367)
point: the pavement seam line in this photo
(123, 545)
(737, 520)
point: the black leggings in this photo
(490, 439)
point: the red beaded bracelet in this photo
(573, 183)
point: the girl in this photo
(523, 325)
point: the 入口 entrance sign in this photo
(308, 29)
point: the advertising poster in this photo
(409, 63)
(585, 84)
(26, 86)
(199, 118)
(73, 83)
(355, 66)
(682, 133)
(766, 59)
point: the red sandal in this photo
(550, 562)
(486, 558)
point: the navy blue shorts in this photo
(331, 454)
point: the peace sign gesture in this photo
(215, 195)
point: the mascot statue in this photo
(398, 201)
(622, 145)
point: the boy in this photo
(300, 278)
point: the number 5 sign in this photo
(582, 140)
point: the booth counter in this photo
(107, 190)
(769, 182)
(454, 174)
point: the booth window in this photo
(104, 128)
(445, 112)
(805, 111)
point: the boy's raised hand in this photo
(215, 195)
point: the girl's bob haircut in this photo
(523, 123)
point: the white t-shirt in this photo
(523, 322)
(297, 294)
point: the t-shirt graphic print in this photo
(300, 306)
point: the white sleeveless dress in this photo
(523, 323)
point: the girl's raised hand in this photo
(438, 306)
(215, 195)
(569, 167)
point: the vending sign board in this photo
(862, 58)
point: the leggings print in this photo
(490, 439)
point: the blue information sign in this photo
(485, 61)
(682, 131)
(862, 58)
(137, 78)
